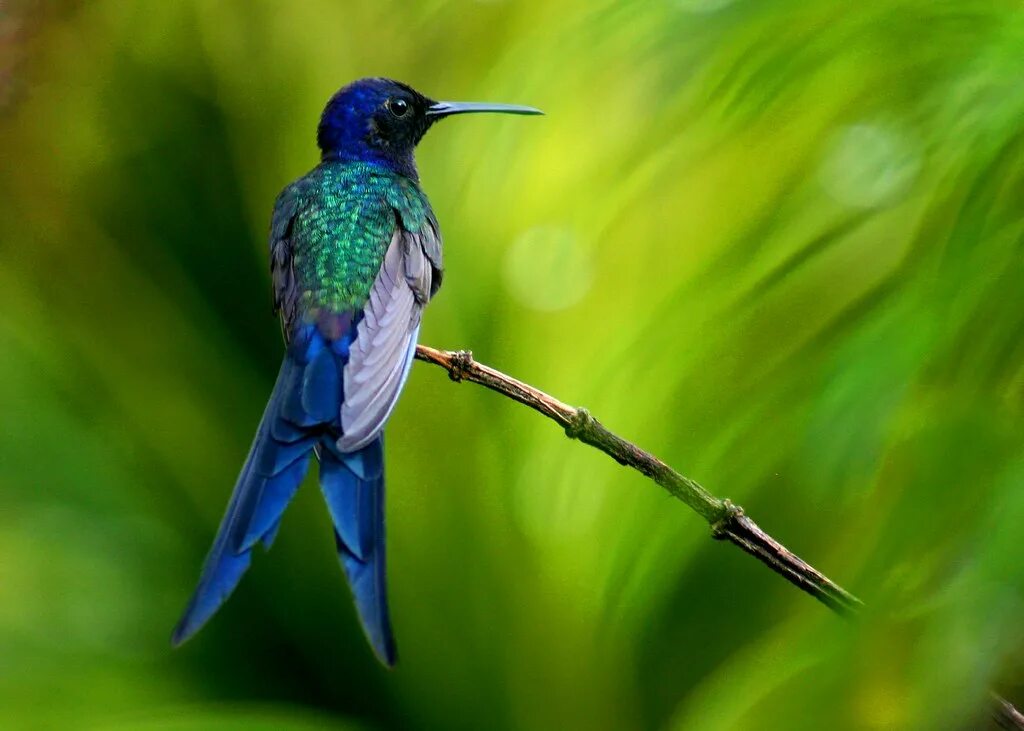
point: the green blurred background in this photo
(777, 242)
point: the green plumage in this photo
(344, 220)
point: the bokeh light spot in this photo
(548, 268)
(867, 165)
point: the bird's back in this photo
(341, 219)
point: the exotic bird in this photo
(355, 256)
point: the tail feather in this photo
(268, 497)
(302, 415)
(271, 475)
(268, 538)
(321, 387)
(353, 487)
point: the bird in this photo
(355, 256)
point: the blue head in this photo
(381, 121)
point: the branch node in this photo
(460, 364)
(581, 421)
(730, 512)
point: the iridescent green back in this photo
(344, 221)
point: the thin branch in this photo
(1004, 714)
(728, 522)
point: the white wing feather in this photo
(381, 354)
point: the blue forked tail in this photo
(353, 486)
(302, 416)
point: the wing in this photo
(282, 271)
(380, 355)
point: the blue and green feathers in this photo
(344, 215)
(355, 255)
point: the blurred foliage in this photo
(777, 242)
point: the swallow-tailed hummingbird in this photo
(355, 256)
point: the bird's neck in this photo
(400, 163)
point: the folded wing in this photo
(385, 341)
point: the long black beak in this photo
(446, 109)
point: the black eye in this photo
(398, 107)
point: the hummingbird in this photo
(355, 256)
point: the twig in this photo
(728, 522)
(1005, 714)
